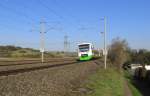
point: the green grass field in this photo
(107, 82)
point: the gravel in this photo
(57, 81)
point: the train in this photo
(86, 52)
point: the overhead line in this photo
(69, 14)
(54, 12)
(51, 10)
(16, 12)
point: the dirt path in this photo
(127, 91)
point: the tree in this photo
(118, 54)
(141, 56)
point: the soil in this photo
(127, 91)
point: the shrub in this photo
(118, 52)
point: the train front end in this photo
(85, 51)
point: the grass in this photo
(129, 79)
(107, 82)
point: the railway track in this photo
(22, 66)
(15, 69)
(30, 60)
(26, 62)
(22, 70)
(49, 78)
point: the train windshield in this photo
(84, 48)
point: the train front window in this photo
(84, 48)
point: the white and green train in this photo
(85, 51)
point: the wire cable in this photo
(16, 12)
(50, 10)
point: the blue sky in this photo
(79, 19)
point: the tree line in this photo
(120, 53)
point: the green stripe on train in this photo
(86, 57)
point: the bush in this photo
(118, 54)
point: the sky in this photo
(80, 20)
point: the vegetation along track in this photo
(21, 68)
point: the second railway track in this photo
(13, 69)
(40, 67)
(32, 65)
(31, 61)
(21, 68)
